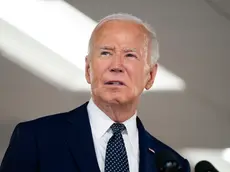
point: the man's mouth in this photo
(114, 83)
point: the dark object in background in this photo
(205, 166)
(166, 161)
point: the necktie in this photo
(116, 159)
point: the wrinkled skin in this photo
(120, 51)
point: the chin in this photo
(115, 98)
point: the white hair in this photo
(128, 17)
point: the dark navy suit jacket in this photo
(64, 143)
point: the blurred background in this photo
(43, 44)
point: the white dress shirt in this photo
(100, 126)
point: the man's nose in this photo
(117, 64)
(116, 69)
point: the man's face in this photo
(118, 66)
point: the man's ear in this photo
(151, 76)
(87, 69)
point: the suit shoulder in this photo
(50, 120)
(159, 145)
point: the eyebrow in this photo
(107, 48)
(110, 48)
(127, 50)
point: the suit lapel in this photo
(147, 158)
(80, 140)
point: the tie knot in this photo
(117, 128)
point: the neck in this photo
(116, 111)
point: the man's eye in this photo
(131, 55)
(105, 53)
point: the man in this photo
(105, 133)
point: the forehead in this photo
(125, 33)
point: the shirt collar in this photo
(100, 122)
